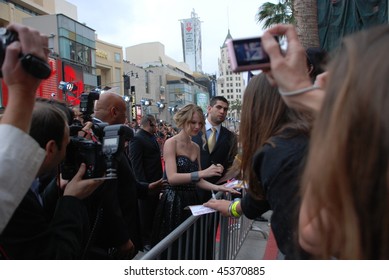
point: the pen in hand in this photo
(213, 193)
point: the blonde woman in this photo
(183, 171)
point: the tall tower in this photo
(191, 42)
(229, 84)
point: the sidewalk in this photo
(253, 248)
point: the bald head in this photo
(111, 108)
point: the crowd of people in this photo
(312, 147)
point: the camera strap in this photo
(92, 135)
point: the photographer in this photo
(32, 233)
(111, 108)
(20, 155)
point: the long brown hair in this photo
(264, 114)
(347, 168)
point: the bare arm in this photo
(221, 205)
(176, 178)
(80, 188)
(19, 152)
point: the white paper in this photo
(236, 184)
(198, 210)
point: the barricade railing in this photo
(210, 236)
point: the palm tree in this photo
(271, 14)
(305, 13)
(302, 13)
(234, 115)
(236, 105)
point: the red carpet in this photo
(271, 249)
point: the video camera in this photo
(99, 153)
(32, 64)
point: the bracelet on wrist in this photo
(194, 176)
(232, 208)
(298, 91)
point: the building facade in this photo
(74, 44)
(109, 67)
(149, 81)
(166, 84)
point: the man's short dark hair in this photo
(147, 119)
(48, 123)
(214, 99)
(60, 105)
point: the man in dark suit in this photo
(223, 152)
(119, 226)
(145, 157)
(33, 232)
(225, 147)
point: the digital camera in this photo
(33, 65)
(99, 153)
(247, 54)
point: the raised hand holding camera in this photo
(31, 63)
(248, 54)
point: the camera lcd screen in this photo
(249, 52)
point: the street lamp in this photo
(160, 105)
(145, 103)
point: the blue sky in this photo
(128, 22)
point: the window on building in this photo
(118, 57)
(72, 49)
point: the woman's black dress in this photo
(170, 212)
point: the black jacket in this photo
(223, 153)
(279, 169)
(145, 157)
(32, 233)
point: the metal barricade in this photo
(210, 236)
